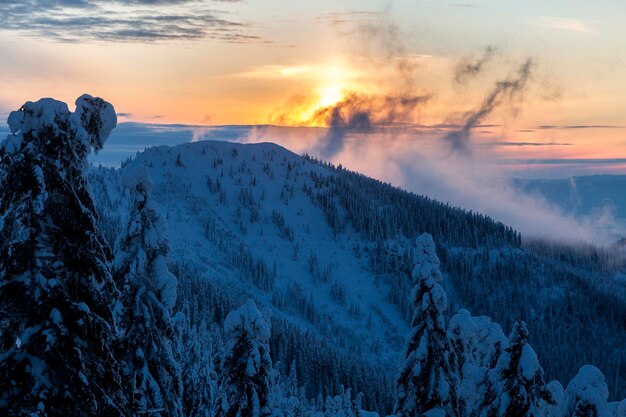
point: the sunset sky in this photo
(281, 61)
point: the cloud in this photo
(277, 72)
(123, 21)
(565, 161)
(566, 127)
(349, 17)
(409, 160)
(537, 144)
(418, 163)
(563, 23)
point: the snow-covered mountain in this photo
(328, 250)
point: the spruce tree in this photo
(516, 385)
(195, 346)
(342, 404)
(288, 401)
(149, 295)
(56, 289)
(586, 395)
(427, 385)
(247, 374)
(477, 343)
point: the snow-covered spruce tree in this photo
(477, 343)
(195, 350)
(342, 404)
(288, 398)
(56, 289)
(553, 409)
(620, 408)
(247, 374)
(427, 385)
(148, 297)
(516, 387)
(586, 395)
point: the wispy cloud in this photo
(563, 23)
(564, 161)
(568, 127)
(275, 71)
(462, 5)
(124, 21)
(349, 17)
(520, 144)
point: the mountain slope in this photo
(328, 251)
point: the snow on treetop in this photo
(557, 391)
(462, 325)
(135, 174)
(97, 117)
(92, 122)
(46, 112)
(589, 378)
(529, 363)
(248, 318)
(588, 386)
(426, 260)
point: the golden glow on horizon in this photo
(308, 60)
(327, 96)
(329, 85)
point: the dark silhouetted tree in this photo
(56, 289)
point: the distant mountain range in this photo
(582, 196)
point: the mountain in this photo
(595, 198)
(327, 250)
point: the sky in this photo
(426, 94)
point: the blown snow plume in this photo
(360, 113)
(469, 68)
(506, 91)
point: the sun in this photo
(330, 85)
(322, 97)
(329, 95)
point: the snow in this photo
(249, 318)
(15, 121)
(426, 260)
(529, 363)
(557, 391)
(33, 117)
(56, 317)
(92, 122)
(435, 412)
(135, 174)
(619, 408)
(183, 196)
(165, 283)
(96, 117)
(38, 115)
(462, 325)
(12, 143)
(588, 386)
(588, 376)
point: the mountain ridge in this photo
(313, 259)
